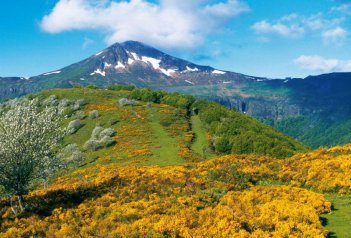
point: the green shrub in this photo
(177, 100)
(92, 87)
(223, 145)
(121, 87)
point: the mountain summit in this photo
(130, 62)
(132, 56)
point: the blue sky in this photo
(256, 37)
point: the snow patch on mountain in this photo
(249, 77)
(54, 72)
(154, 62)
(107, 65)
(135, 56)
(156, 65)
(218, 72)
(192, 69)
(167, 72)
(189, 82)
(120, 65)
(98, 71)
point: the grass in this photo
(200, 143)
(338, 222)
(165, 151)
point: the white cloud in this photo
(295, 26)
(344, 8)
(290, 17)
(169, 23)
(315, 22)
(279, 28)
(335, 36)
(87, 42)
(317, 63)
(230, 8)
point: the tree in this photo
(28, 139)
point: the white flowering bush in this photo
(78, 104)
(64, 107)
(65, 102)
(74, 126)
(96, 132)
(107, 132)
(71, 155)
(80, 115)
(107, 141)
(51, 101)
(100, 138)
(28, 139)
(13, 103)
(127, 102)
(94, 114)
(92, 145)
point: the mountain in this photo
(314, 109)
(127, 63)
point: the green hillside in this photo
(143, 163)
(152, 126)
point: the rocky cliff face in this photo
(260, 108)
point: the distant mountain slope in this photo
(314, 110)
